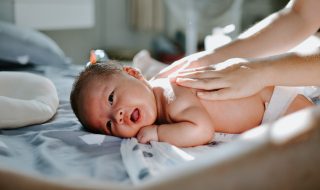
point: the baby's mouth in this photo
(135, 115)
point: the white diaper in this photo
(281, 99)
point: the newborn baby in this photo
(117, 100)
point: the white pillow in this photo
(26, 99)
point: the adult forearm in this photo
(276, 34)
(292, 70)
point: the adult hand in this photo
(229, 80)
(192, 61)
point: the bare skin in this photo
(274, 35)
(160, 110)
(247, 78)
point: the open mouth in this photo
(135, 115)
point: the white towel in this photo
(145, 160)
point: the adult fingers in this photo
(204, 84)
(200, 74)
(203, 68)
(174, 67)
(203, 72)
(222, 94)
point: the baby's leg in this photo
(300, 102)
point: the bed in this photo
(60, 154)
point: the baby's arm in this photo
(184, 133)
(300, 102)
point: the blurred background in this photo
(168, 29)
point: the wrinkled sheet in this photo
(61, 148)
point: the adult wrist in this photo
(211, 58)
(219, 56)
(267, 73)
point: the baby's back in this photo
(229, 116)
(235, 116)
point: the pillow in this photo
(24, 46)
(26, 99)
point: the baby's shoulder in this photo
(185, 102)
(178, 100)
(180, 104)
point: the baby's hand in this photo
(147, 134)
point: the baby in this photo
(117, 100)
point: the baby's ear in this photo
(133, 72)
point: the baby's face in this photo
(120, 105)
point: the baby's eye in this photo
(110, 98)
(109, 126)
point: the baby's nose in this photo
(119, 116)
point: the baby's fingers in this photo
(142, 139)
(139, 136)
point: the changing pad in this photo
(26, 99)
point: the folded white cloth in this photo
(26, 99)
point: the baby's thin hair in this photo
(94, 71)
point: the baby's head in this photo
(114, 100)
